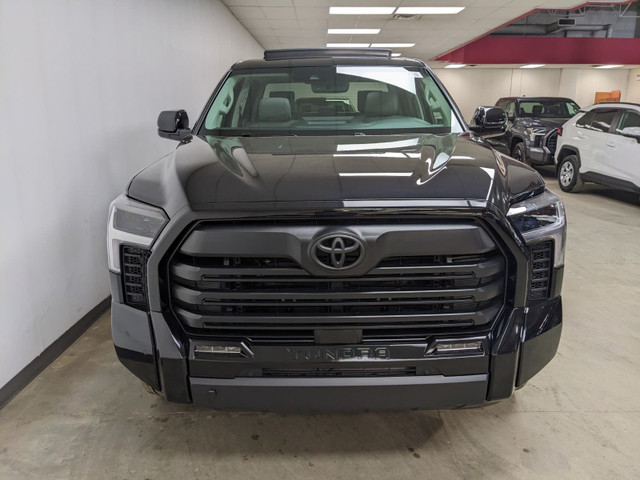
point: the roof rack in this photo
(291, 53)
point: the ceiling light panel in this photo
(354, 31)
(429, 10)
(393, 45)
(347, 45)
(534, 65)
(609, 66)
(361, 10)
(456, 65)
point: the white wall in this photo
(633, 89)
(81, 85)
(471, 87)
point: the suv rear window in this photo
(341, 99)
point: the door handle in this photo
(611, 144)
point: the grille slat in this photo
(552, 141)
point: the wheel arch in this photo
(565, 151)
(514, 141)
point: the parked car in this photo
(330, 235)
(601, 144)
(532, 127)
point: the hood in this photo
(548, 123)
(205, 172)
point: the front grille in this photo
(134, 262)
(541, 266)
(552, 141)
(272, 298)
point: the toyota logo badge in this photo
(338, 251)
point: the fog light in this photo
(459, 346)
(218, 349)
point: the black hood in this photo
(206, 172)
(548, 123)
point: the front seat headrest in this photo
(381, 104)
(274, 110)
(537, 109)
(362, 98)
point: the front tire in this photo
(569, 177)
(518, 152)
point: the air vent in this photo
(541, 265)
(406, 17)
(134, 262)
(566, 22)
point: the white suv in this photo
(600, 144)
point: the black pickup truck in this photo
(331, 235)
(532, 127)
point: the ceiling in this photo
(304, 23)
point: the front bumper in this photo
(521, 343)
(539, 155)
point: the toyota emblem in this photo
(337, 251)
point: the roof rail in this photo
(291, 53)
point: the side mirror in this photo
(173, 124)
(489, 120)
(631, 132)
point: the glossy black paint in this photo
(203, 173)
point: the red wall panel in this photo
(547, 50)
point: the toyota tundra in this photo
(331, 235)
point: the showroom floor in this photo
(87, 417)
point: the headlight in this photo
(131, 223)
(539, 218)
(533, 132)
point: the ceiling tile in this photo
(247, 12)
(279, 13)
(311, 12)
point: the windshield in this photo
(333, 100)
(547, 108)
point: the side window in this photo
(511, 108)
(628, 118)
(586, 119)
(602, 120)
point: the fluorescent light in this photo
(393, 45)
(396, 54)
(429, 10)
(456, 65)
(347, 45)
(609, 66)
(361, 10)
(376, 174)
(534, 65)
(354, 31)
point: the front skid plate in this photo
(340, 394)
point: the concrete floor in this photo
(87, 417)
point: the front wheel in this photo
(519, 153)
(569, 177)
